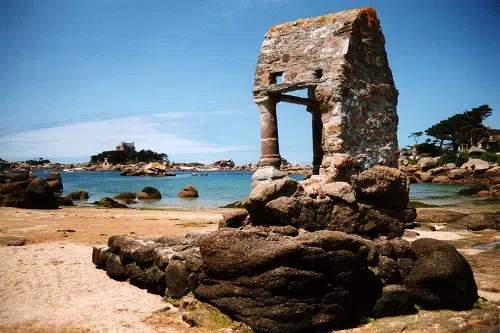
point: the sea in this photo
(217, 189)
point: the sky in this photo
(80, 76)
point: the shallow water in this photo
(489, 246)
(217, 189)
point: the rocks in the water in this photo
(126, 196)
(281, 284)
(341, 191)
(223, 164)
(440, 277)
(110, 203)
(383, 186)
(474, 189)
(149, 193)
(78, 195)
(55, 182)
(189, 191)
(64, 201)
(267, 173)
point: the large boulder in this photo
(438, 215)
(425, 177)
(315, 281)
(476, 165)
(476, 151)
(149, 193)
(382, 186)
(474, 189)
(427, 163)
(396, 300)
(493, 172)
(55, 182)
(340, 191)
(14, 186)
(39, 195)
(364, 220)
(78, 195)
(53, 176)
(126, 196)
(107, 202)
(189, 191)
(223, 164)
(478, 221)
(457, 174)
(441, 277)
(267, 173)
(177, 276)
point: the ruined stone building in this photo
(341, 60)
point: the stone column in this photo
(317, 133)
(269, 145)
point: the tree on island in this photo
(462, 128)
(129, 156)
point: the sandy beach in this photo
(51, 285)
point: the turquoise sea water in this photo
(217, 189)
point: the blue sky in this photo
(80, 76)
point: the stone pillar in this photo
(269, 145)
(317, 134)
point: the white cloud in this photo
(158, 132)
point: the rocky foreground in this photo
(315, 255)
(54, 259)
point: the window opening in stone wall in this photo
(318, 73)
(299, 93)
(276, 77)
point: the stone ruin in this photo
(325, 252)
(341, 61)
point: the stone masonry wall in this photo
(341, 59)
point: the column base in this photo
(270, 161)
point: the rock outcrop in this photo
(27, 191)
(78, 195)
(107, 202)
(373, 205)
(280, 281)
(149, 193)
(189, 191)
(223, 164)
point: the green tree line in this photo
(129, 156)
